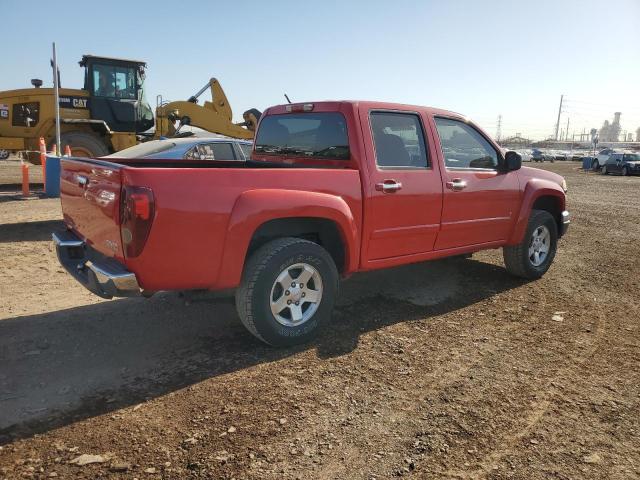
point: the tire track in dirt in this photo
(509, 443)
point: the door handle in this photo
(456, 184)
(388, 186)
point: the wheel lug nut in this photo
(293, 284)
(287, 292)
(288, 302)
(297, 303)
(301, 285)
(304, 294)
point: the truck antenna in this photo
(287, 97)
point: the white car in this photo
(601, 159)
(526, 155)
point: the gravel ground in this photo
(448, 369)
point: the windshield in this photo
(114, 82)
(144, 149)
(632, 157)
(313, 135)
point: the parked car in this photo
(601, 159)
(539, 156)
(332, 188)
(525, 155)
(560, 155)
(622, 163)
(189, 148)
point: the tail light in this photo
(138, 210)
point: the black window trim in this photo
(501, 160)
(429, 165)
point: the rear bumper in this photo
(566, 221)
(101, 275)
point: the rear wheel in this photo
(287, 292)
(625, 171)
(83, 144)
(604, 170)
(4, 154)
(595, 165)
(532, 257)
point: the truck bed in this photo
(198, 207)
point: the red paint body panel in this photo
(206, 215)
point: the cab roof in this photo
(334, 104)
(88, 57)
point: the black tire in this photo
(4, 154)
(83, 144)
(516, 258)
(260, 273)
(625, 171)
(595, 165)
(604, 170)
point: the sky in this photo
(480, 58)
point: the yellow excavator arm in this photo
(214, 116)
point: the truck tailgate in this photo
(90, 196)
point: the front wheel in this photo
(4, 154)
(625, 171)
(532, 257)
(604, 170)
(287, 292)
(595, 165)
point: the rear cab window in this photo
(317, 135)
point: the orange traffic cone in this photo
(43, 160)
(25, 179)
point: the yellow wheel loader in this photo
(109, 114)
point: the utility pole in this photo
(499, 129)
(559, 112)
(56, 99)
(566, 135)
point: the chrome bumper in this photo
(101, 275)
(566, 221)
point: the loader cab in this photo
(116, 91)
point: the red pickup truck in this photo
(332, 188)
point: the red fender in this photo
(534, 189)
(256, 207)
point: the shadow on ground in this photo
(60, 367)
(29, 231)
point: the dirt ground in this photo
(448, 369)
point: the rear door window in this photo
(312, 135)
(399, 140)
(246, 150)
(211, 151)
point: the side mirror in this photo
(512, 161)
